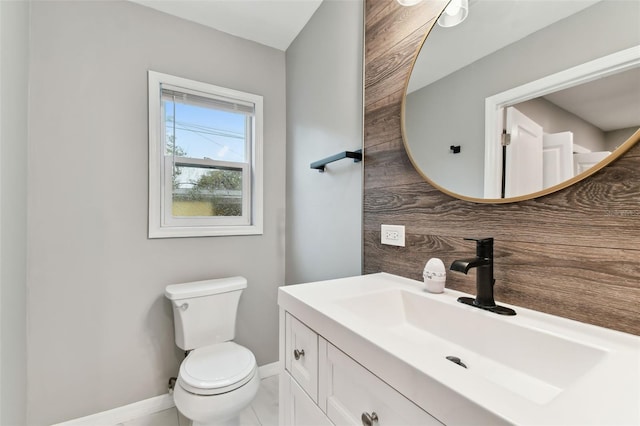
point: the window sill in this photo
(204, 231)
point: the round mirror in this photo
(524, 97)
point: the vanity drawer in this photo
(355, 396)
(301, 355)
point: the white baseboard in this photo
(147, 406)
(125, 413)
(269, 370)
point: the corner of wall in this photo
(14, 65)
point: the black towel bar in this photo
(319, 165)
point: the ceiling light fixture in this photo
(455, 12)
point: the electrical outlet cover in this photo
(392, 235)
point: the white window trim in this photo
(194, 227)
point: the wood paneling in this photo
(574, 253)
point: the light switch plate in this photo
(392, 235)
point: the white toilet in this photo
(219, 378)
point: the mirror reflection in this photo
(524, 95)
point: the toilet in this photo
(218, 378)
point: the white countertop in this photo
(561, 372)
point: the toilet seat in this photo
(217, 369)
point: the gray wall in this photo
(615, 138)
(554, 119)
(439, 108)
(324, 117)
(14, 71)
(100, 330)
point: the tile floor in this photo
(263, 411)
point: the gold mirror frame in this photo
(621, 150)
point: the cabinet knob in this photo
(369, 419)
(298, 353)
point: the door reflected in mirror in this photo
(537, 95)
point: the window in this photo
(205, 159)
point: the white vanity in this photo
(373, 350)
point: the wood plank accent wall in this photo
(574, 253)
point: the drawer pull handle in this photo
(298, 353)
(369, 419)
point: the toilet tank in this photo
(204, 312)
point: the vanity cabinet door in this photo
(352, 395)
(301, 355)
(300, 410)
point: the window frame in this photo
(162, 224)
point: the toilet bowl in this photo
(218, 378)
(216, 383)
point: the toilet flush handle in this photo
(184, 306)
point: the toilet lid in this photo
(217, 368)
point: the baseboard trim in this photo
(148, 406)
(125, 413)
(269, 370)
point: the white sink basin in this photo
(529, 369)
(531, 362)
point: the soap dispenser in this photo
(434, 275)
